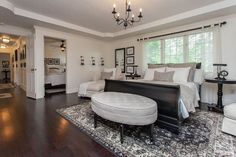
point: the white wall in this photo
(228, 46)
(53, 51)
(76, 46)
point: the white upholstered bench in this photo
(125, 108)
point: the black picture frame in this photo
(129, 69)
(5, 64)
(130, 60)
(130, 51)
(120, 52)
(16, 55)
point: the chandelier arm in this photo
(120, 22)
(137, 20)
(127, 15)
(115, 17)
(130, 23)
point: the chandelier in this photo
(127, 20)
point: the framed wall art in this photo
(130, 51)
(130, 60)
(129, 69)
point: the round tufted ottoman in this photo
(125, 108)
(229, 121)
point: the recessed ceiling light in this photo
(5, 40)
(3, 46)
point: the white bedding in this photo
(55, 79)
(189, 95)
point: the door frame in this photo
(40, 34)
(46, 36)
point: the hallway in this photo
(33, 128)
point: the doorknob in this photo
(33, 69)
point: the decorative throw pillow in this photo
(149, 74)
(164, 76)
(106, 75)
(113, 70)
(180, 75)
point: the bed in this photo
(55, 77)
(175, 99)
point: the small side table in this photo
(220, 83)
(6, 78)
(134, 76)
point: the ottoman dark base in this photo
(121, 128)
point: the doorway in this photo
(13, 60)
(54, 65)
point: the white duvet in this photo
(55, 79)
(189, 95)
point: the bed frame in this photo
(166, 96)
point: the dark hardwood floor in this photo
(33, 128)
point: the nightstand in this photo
(220, 83)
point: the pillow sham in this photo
(113, 70)
(180, 74)
(106, 75)
(149, 74)
(164, 76)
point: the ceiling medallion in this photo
(127, 20)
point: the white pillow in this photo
(149, 74)
(111, 70)
(198, 76)
(180, 75)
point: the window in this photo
(154, 52)
(189, 48)
(174, 50)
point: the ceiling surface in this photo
(96, 14)
(93, 17)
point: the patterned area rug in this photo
(6, 86)
(5, 95)
(199, 136)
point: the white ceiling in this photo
(94, 16)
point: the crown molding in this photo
(193, 13)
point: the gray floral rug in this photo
(199, 136)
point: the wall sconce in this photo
(93, 60)
(102, 61)
(81, 60)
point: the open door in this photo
(30, 68)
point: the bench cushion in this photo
(230, 111)
(125, 108)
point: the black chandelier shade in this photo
(127, 20)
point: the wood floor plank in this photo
(32, 128)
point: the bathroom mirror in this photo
(120, 59)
